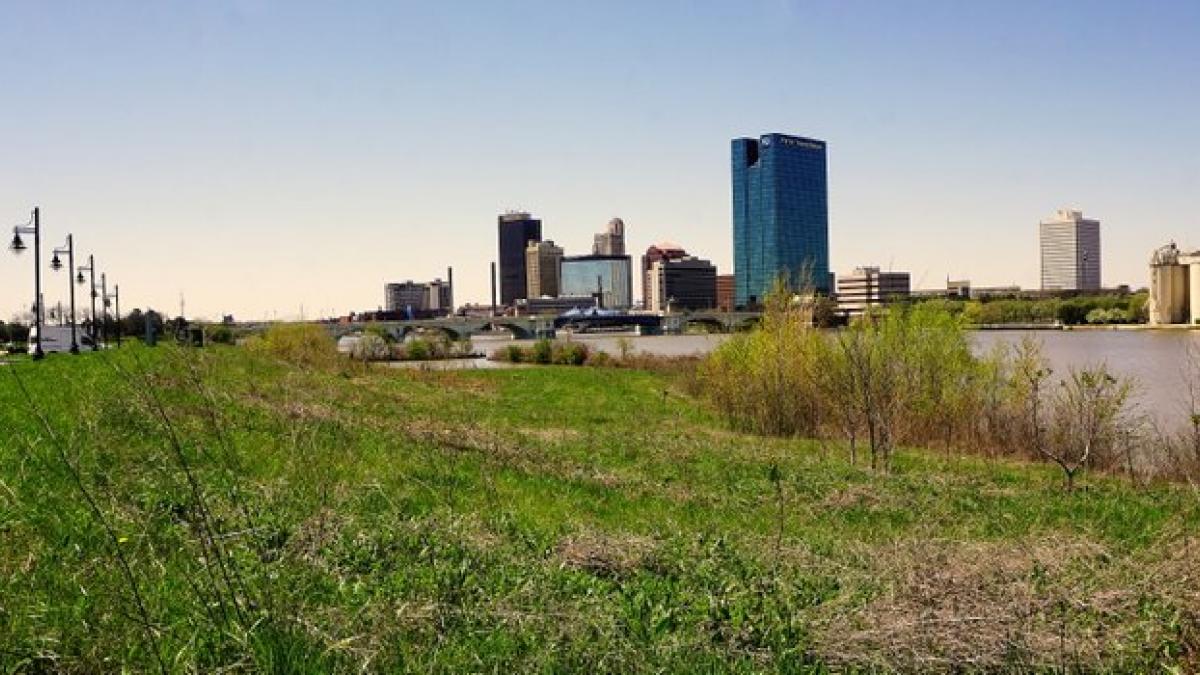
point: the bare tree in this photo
(873, 352)
(1088, 411)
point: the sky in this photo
(264, 159)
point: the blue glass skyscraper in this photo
(780, 215)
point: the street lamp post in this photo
(56, 265)
(79, 279)
(104, 308)
(17, 247)
(116, 297)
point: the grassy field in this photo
(181, 511)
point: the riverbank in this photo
(542, 518)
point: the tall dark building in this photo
(682, 284)
(661, 251)
(780, 215)
(516, 231)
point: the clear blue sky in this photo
(257, 156)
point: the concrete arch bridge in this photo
(530, 327)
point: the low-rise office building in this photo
(868, 286)
(725, 292)
(433, 298)
(682, 284)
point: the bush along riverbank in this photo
(379, 345)
(280, 508)
(1084, 310)
(907, 376)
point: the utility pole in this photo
(493, 288)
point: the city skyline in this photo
(213, 152)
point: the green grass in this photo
(541, 519)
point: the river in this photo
(1157, 360)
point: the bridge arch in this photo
(452, 333)
(518, 330)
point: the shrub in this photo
(765, 381)
(371, 347)
(380, 332)
(460, 348)
(303, 344)
(904, 372)
(541, 352)
(570, 353)
(599, 359)
(511, 354)
(417, 349)
(221, 335)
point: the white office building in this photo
(868, 286)
(1070, 247)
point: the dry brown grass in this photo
(314, 534)
(606, 555)
(852, 496)
(991, 606)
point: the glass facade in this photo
(780, 215)
(610, 276)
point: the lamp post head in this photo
(80, 279)
(18, 244)
(55, 263)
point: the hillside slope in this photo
(186, 511)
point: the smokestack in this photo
(493, 288)
(450, 284)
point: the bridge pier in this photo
(672, 325)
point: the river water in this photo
(1157, 360)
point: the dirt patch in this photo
(610, 556)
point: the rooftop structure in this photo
(612, 240)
